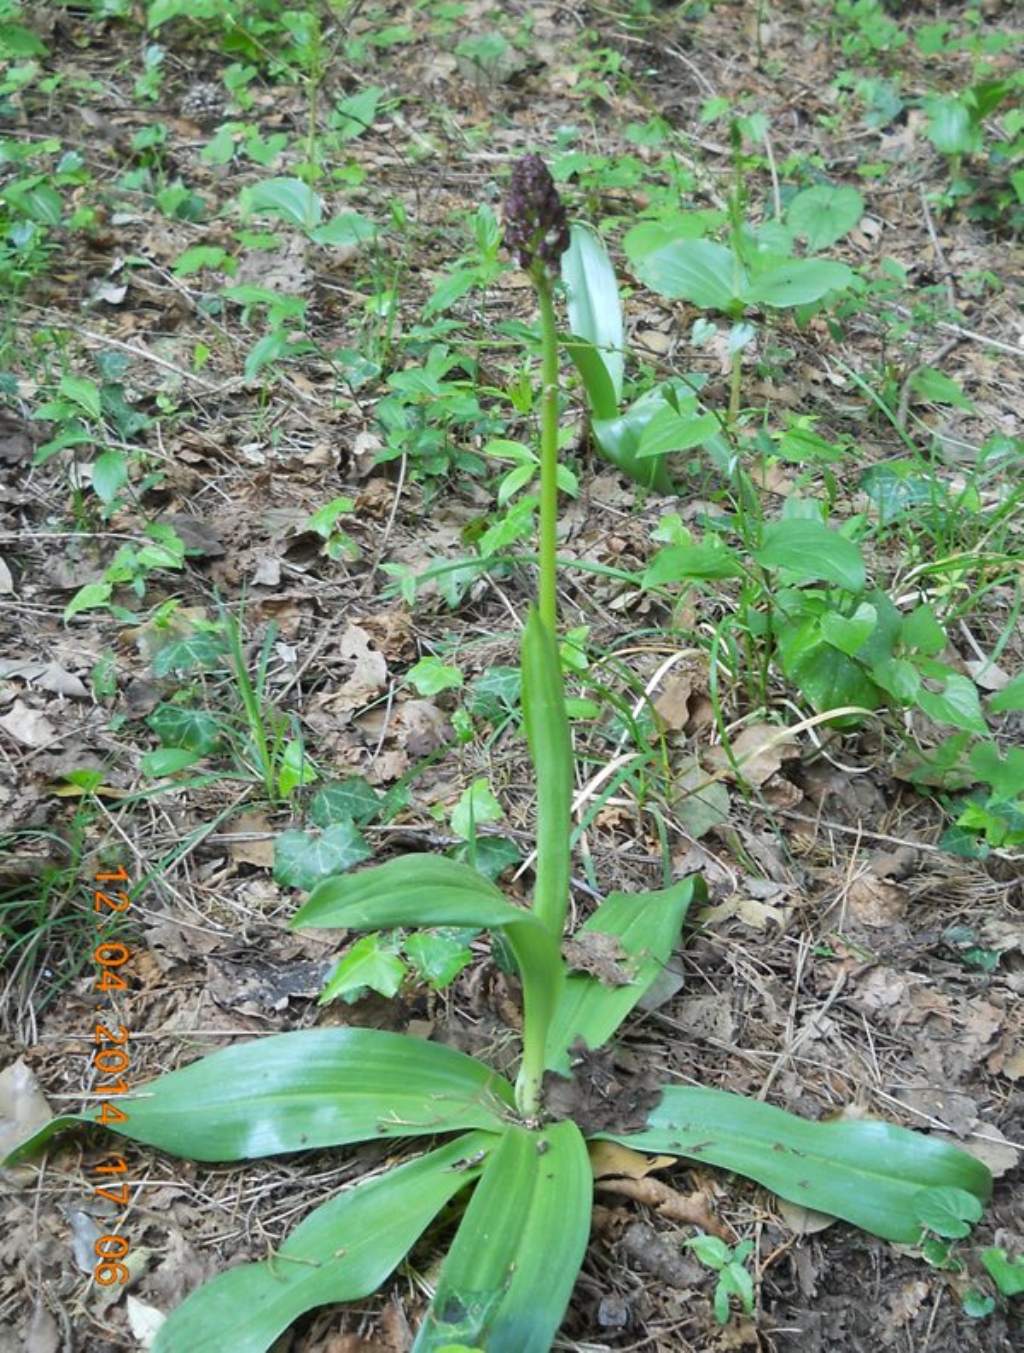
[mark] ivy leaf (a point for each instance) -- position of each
(438, 956)
(477, 805)
(372, 963)
(201, 651)
(351, 800)
(302, 859)
(179, 726)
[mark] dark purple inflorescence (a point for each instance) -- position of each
(536, 226)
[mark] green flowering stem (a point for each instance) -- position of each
(547, 589)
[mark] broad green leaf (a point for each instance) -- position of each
(372, 963)
(950, 127)
(342, 1251)
(849, 633)
(167, 761)
(87, 598)
(83, 393)
(109, 475)
(508, 1277)
(922, 631)
(415, 889)
(355, 114)
(344, 231)
(867, 1172)
(897, 678)
(827, 677)
(708, 558)
(302, 859)
(646, 927)
(824, 214)
(547, 732)
(957, 704)
(1006, 1273)
(592, 301)
(301, 1091)
(937, 388)
(429, 890)
(430, 676)
(699, 271)
(496, 693)
(1004, 774)
(287, 197)
(1010, 698)
(202, 651)
(809, 550)
(438, 956)
(798, 282)
(669, 431)
(295, 768)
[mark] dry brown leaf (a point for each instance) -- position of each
(692, 1209)
(672, 704)
(873, 902)
(259, 851)
(707, 1017)
(369, 671)
(803, 1221)
(600, 955)
(28, 726)
(23, 1106)
(610, 1160)
(757, 915)
(759, 750)
(990, 1147)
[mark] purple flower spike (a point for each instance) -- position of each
(536, 226)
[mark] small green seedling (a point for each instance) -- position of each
(512, 1264)
(734, 1280)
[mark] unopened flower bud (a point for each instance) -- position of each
(536, 226)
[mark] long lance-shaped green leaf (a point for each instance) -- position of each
(868, 1172)
(342, 1251)
(310, 1088)
(646, 926)
(592, 301)
(601, 396)
(421, 887)
(429, 890)
(510, 1273)
(619, 440)
(547, 732)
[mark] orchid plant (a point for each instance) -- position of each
(516, 1153)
